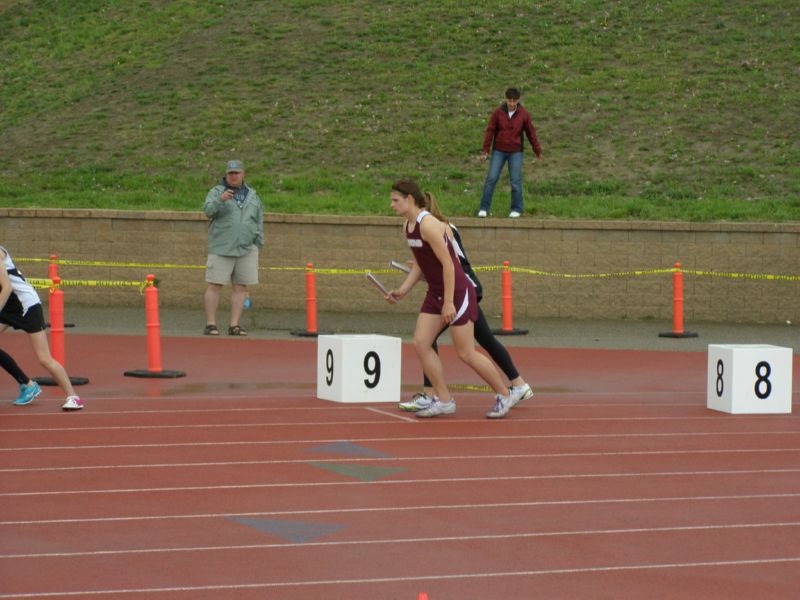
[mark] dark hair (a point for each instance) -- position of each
(433, 207)
(426, 200)
(409, 187)
(513, 94)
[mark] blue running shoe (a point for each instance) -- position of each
(27, 393)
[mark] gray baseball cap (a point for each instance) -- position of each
(235, 165)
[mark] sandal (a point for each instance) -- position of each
(236, 330)
(211, 330)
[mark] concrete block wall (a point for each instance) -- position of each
(339, 242)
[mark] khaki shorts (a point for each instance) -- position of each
(237, 269)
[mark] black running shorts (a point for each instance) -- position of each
(31, 322)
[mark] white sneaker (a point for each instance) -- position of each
(501, 407)
(518, 393)
(514, 214)
(72, 403)
(420, 401)
(437, 408)
(482, 214)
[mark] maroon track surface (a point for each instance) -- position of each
(615, 481)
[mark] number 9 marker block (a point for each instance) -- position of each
(749, 378)
(358, 368)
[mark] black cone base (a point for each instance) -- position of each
(685, 334)
(51, 381)
(163, 374)
(310, 333)
(510, 331)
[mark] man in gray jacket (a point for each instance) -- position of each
(235, 234)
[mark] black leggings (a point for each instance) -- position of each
(10, 365)
(487, 341)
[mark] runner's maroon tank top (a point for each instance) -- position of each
(429, 263)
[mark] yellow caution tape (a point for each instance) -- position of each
(47, 283)
(352, 271)
(637, 273)
(100, 263)
(578, 275)
(762, 276)
(468, 387)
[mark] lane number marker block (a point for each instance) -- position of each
(749, 379)
(358, 368)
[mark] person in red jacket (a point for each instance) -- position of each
(504, 135)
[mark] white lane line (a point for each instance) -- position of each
(363, 422)
(349, 459)
(189, 411)
(415, 540)
(313, 484)
(449, 438)
(417, 578)
(533, 404)
(415, 508)
(393, 415)
(202, 426)
(216, 397)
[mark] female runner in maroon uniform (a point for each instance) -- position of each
(518, 388)
(450, 299)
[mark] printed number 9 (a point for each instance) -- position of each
(329, 367)
(374, 370)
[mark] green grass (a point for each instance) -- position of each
(669, 110)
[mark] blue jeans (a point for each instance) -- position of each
(496, 163)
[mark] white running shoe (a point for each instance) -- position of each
(437, 408)
(518, 393)
(502, 405)
(72, 403)
(420, 401)
(482, 214)
(514, 214)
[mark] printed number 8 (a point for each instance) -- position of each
(763, 371)
(374, 370)
(720, 384)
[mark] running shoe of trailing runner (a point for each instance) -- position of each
(419, 401)
(437, 408)
(518, 393)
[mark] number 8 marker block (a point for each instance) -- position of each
(358, 368)
(749, 378)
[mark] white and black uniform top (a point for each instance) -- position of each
(465, 264)
(23, 296)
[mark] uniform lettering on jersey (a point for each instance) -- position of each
(415, 243)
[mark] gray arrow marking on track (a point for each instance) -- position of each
(348, 448)
(294, 531)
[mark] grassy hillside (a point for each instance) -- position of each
(670, 109)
